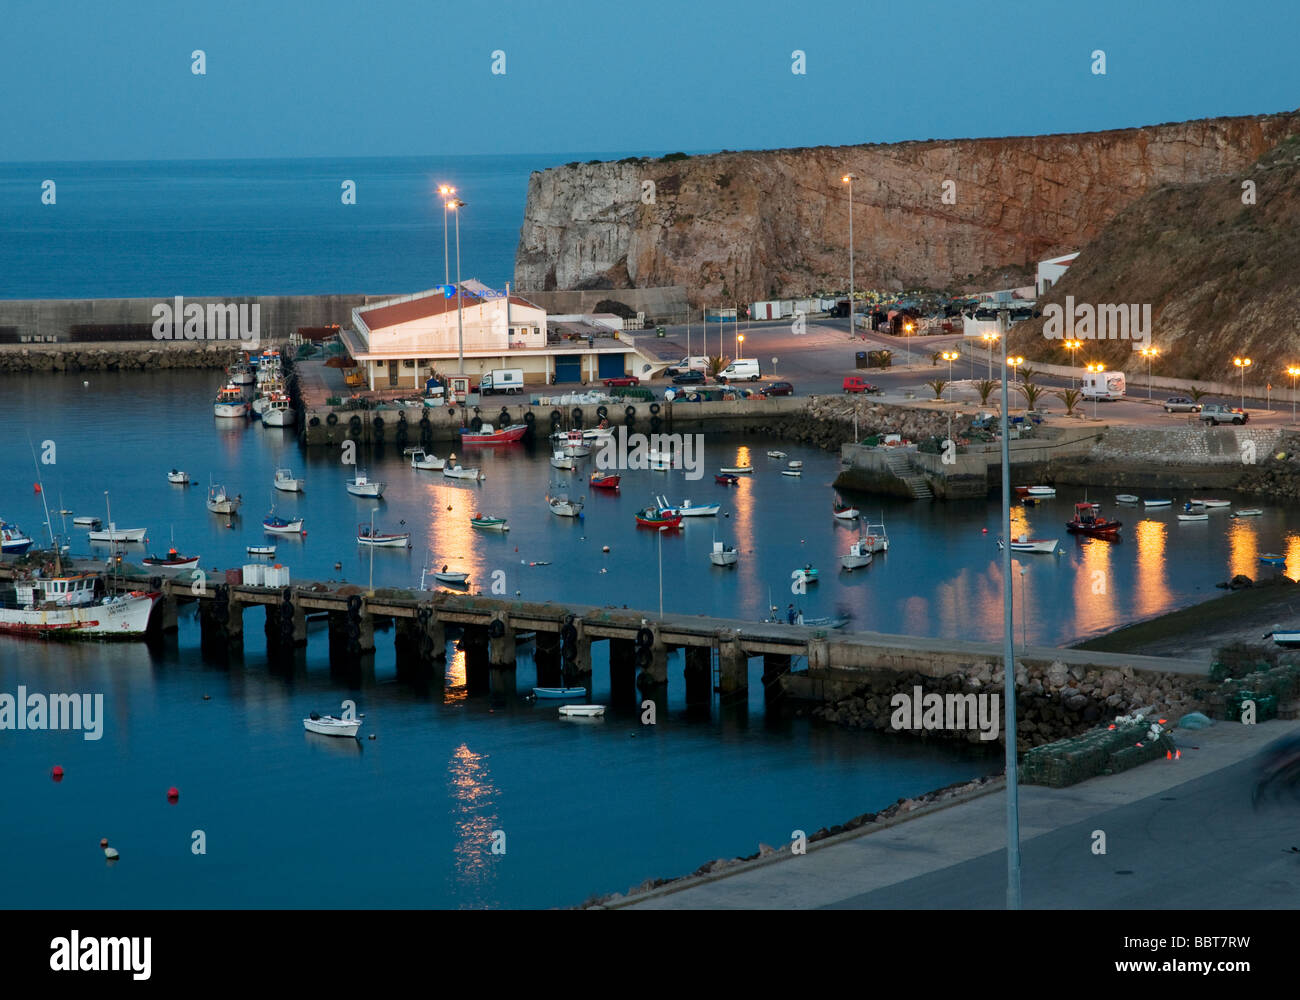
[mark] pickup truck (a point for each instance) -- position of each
(1217, 413)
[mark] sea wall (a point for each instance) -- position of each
(21, 360)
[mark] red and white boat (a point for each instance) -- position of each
(487, 434)
(230, 402)
(73, 606)
(396, 540)
(605, 480)
(1026, 544)
(173, 562)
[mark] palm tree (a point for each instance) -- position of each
(985, 388)
(1196, 394)
(1027, 374)
(717, 365)
(938, 386)
(1031, 393)
(1070, 397)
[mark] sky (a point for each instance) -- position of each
(316, 78)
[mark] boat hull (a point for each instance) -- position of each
(279, 418)
(171, 567)
(223, 506)
(124, 619)
(565, 692)
(292, 528)
(289, 485)
(582, 711)
(372, 490)
(118, 535)
(332, 727)
(230, 410)
(505, 436)
(385, 541)
(1043, 545)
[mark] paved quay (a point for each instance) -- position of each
(1179, 834)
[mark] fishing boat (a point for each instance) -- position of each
(1156, 503)
(86, 521)
(230, 402)
(807, 575)
(1213, 504)
(687, 509)
(876, 537)
(1126, 498)
(563, 506)
(726, 478)
(723, 555)
(266, 389)
(582, 711)
(1086, 522)
(382, 539)
(285, 480)
(280, 526)
(241, 373)
(487, 434)
(360, 486)
(75, 606)
(605, 480)
(113, 533)
(261, 550)
(844, 512)
(459, 472)
(171, 563)
(1026, 544)
(575, 445)
(279, 412)
(13, 539)
(1042, 491)
(327, 725)
(178, 478)
(654, 517)
(1289, 637)
(1191, 505)
(559, 692)
(858, 556)
(446, 575)
(1273, 559)
(792, 472)
(1248, 512)
(489, 523)
(559, 460)
(420, 459)
(738, 470)
(220, 502)
(776, 454)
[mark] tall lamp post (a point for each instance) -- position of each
(989, 340)
(1072, 346)
(1098, 367)
(1293, 371)
(1149, 353)
(1242, 364)
(950, 357)
(1015, 363)
(740, 342)
(455, 204)
(907, 340)
(1008, 647)
(446, 190)
(849, 179)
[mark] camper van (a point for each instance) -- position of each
(742, 368)
(1103, 385)
(502, 380)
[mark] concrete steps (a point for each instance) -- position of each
(901, 466)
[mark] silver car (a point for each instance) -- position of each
(1181, 404)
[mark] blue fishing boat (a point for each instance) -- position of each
(13, 539)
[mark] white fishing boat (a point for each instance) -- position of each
(179, 478)
(876, 537)
(795, 464)
(86, 521)
(1026, 544)
(563, 506)
(327, 725)
(446, 575)
(582, 711)
(776, 454)
(559, 460)
(360, 486)
(366, 535)
(792, 472)
(1156, 503)
(261, 550)
(230, 402)
(281, 525)
(459, 472)
(575, 445)
(688, 509)
(221, 502)
(113, 533)
(74, 606)
(170, 564)
(241, 373)
(279, 412)
(420, 459)
(859, 555)
(723, 555)
(285, 480)
(1248, 512)
(1126, 498)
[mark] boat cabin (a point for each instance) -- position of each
(74, 590)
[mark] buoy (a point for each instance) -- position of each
(984, 531)
(173, 794)
(85, 385)
(604, 548)
(111, 853)
(103, 841)
(207, 697)
(57, 773)
(338, 565)
(304, 532)
(372, 736)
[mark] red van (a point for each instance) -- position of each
(856, 383)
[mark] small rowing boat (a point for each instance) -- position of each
(261, 550)
(582, 711)
(329, 726)
(1248, 512)
(1126, 498)
(178, 477)
(738, 470)
(1156, 503)
(605, 480)
(560, 692)
(489, 523)
(776, 454)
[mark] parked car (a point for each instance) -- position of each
(690, 377)
(1218, 413)
(623, 380)
(1181, 404)
(697, 363)
(856, 383)
(778, 389)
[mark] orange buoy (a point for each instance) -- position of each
(984, 531)
(103, 841)
(57, 773)
(173, 794)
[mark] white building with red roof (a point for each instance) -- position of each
(401, 342)
(1050, 271)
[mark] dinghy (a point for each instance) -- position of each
(458, 472)
(844, 512)
(796, 464)
(1042, 491)
(284, 480)
(261, 550)
(1212, 504)
(178, 477)
(173, 562)
(1156, 503)
(360, 486)
(582, 711)
(489, 523)
(1248, 512)
(560, 692)
(1026, 544)
(792, 472)
(653, 517)
(738, 470)
(1273, 559)
(329, 726)
(1126, 498)
(87, 522)
(382, 539)
(776, 454)
(1192, 516)
(605, 480)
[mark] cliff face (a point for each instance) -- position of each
(736, 227)
(1219, 275)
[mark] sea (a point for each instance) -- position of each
(459, 800)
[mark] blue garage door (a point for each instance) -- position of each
(611, 365)
(568, 368)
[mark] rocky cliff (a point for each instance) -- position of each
(737, 227)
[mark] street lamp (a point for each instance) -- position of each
(907, 339)
(446, 190)
(989, 340)
(1293, 371)
(950, 357)
(740, 341)
(1149, 353)
(849, 179)
(1072, 346)
(1098, 367)
(455, 204)
(1015, 363)
(1242, 364)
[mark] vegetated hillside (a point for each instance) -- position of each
(1221, 277)
(737, 227)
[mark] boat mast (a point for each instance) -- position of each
(54, 541)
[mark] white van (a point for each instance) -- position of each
(1103, 385)
(698, 363)
(505, 380)
(742, 368)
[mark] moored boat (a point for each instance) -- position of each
(563, 506)
(776, 454)
(858, 556)
(382, 539)
(489, 522)
(1126, 498)
(281, 526)
(559, 460)
(844, 512)
(360, 486)
(420, 459)
(459, 472)
(1248, 512)
(808, 574)
(738, 470)
(559, 692)
(1156, 503)
(575, 445)
(654, 517)
(327, 725)
(487, 434)
(723, 555)
(1026, 544)
(261, 550)
(1193, 516)
(73, 606)
(605, 480)
(221, 502)
(1287, 637)
(726, 478)
(792, 472)
(179, 478)
(241, 373)
(582, 711)
(87, 521)
(278, 412)
(115, 534)
(1273, 559)
(230, 402)
(171, 563)
(1211, 504)
(285, 480)
(13, 539)
(687, 509)
(1086, 522)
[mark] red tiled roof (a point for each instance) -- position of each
(425, 307)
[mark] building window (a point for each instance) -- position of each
(408, 364)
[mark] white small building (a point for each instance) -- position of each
(1050, 271)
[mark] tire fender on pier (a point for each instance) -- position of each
(644, 638)
(497, 628)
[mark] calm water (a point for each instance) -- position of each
(248, 227)
(407, 819)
